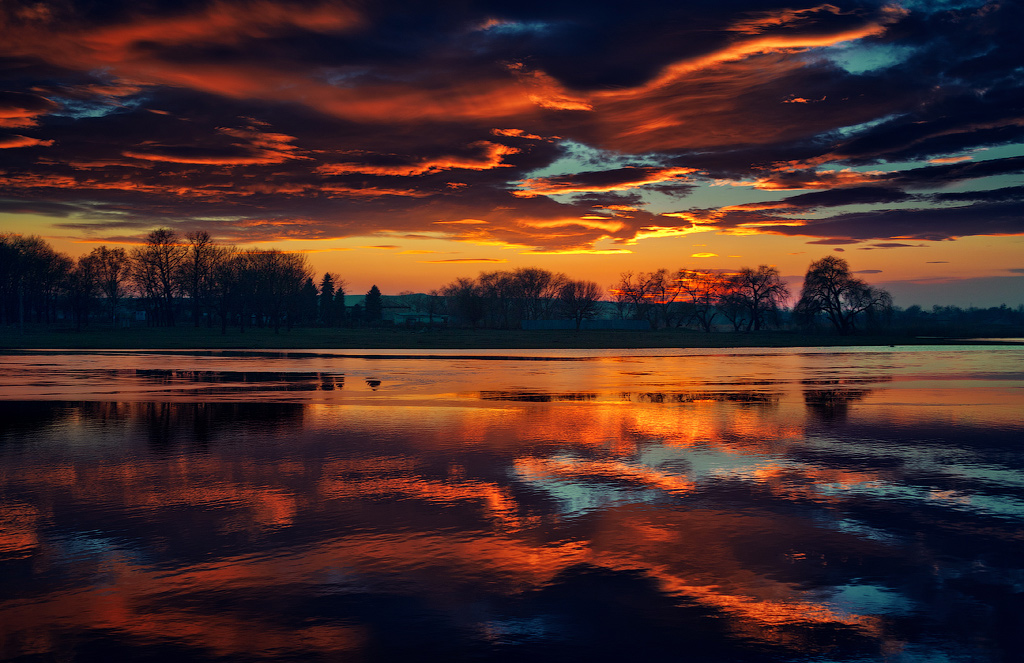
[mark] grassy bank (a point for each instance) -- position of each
(99, 337)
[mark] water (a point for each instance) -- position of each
(863, 504)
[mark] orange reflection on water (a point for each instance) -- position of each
(444, 501)
(18, 529)
(122, 605)
(542, 468)
(495, 501)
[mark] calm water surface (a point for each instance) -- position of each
(863, 504)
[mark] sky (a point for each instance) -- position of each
(405, 144)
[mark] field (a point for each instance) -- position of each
(105, 337)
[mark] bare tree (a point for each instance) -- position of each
(830, 288)
(662, 292)
(155, 271)
(632, 295)
(81, 288)
(112, 274)
(579, 300)
(499, 290)
(704, 290)
(760, 293)
(198, 272)
(464, 300)
(536, 290)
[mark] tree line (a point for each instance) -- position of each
(504, 299)
(169, 277)
(751, 299)
(174, 278)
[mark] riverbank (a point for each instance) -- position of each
(100, 337)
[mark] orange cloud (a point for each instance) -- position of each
(550, 186)
(826, 179)
(761, 21)
(492, 156)
(254, 146)
(463, 260)
(516, 133)
(219, 23)
(10, 142)
(335, 191)
(597, 223)
(20, 110)
(744, 48)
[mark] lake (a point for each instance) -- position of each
(852, 504)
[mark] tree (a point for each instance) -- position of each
(502, 296)
(32, 276)
(464, 300)
(830, 288)
(197, 272)
(112, 273)
(327, 299)
(373, 306)
(226, 294)
(535, 290)
(81, 287)
(632, 296)
(155, 270)
(758, 293)
(340, 314)
(663, 290)
(579, 300)
(308, 302)
(704, 290)
(275, 280)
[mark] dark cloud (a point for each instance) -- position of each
(834, 240)
(321, 119)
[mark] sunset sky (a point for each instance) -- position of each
(407, 143)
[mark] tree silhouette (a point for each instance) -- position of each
(155, 270)
(579, 300)
(327, 299)
(81, 287)
(759, 293)
(197, 272)
(112, 273)
(704, 290)
(308, 302)
(830, 288)
(373, 306)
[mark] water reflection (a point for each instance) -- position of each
(832, 404)
(800, 520)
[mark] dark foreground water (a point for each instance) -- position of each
(792, 505)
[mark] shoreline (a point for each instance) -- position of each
(42, 337)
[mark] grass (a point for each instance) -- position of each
(186, 337)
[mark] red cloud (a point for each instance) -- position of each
(8, 142)
(251, 146)
(19, 110)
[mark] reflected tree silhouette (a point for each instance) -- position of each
(832, 404)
